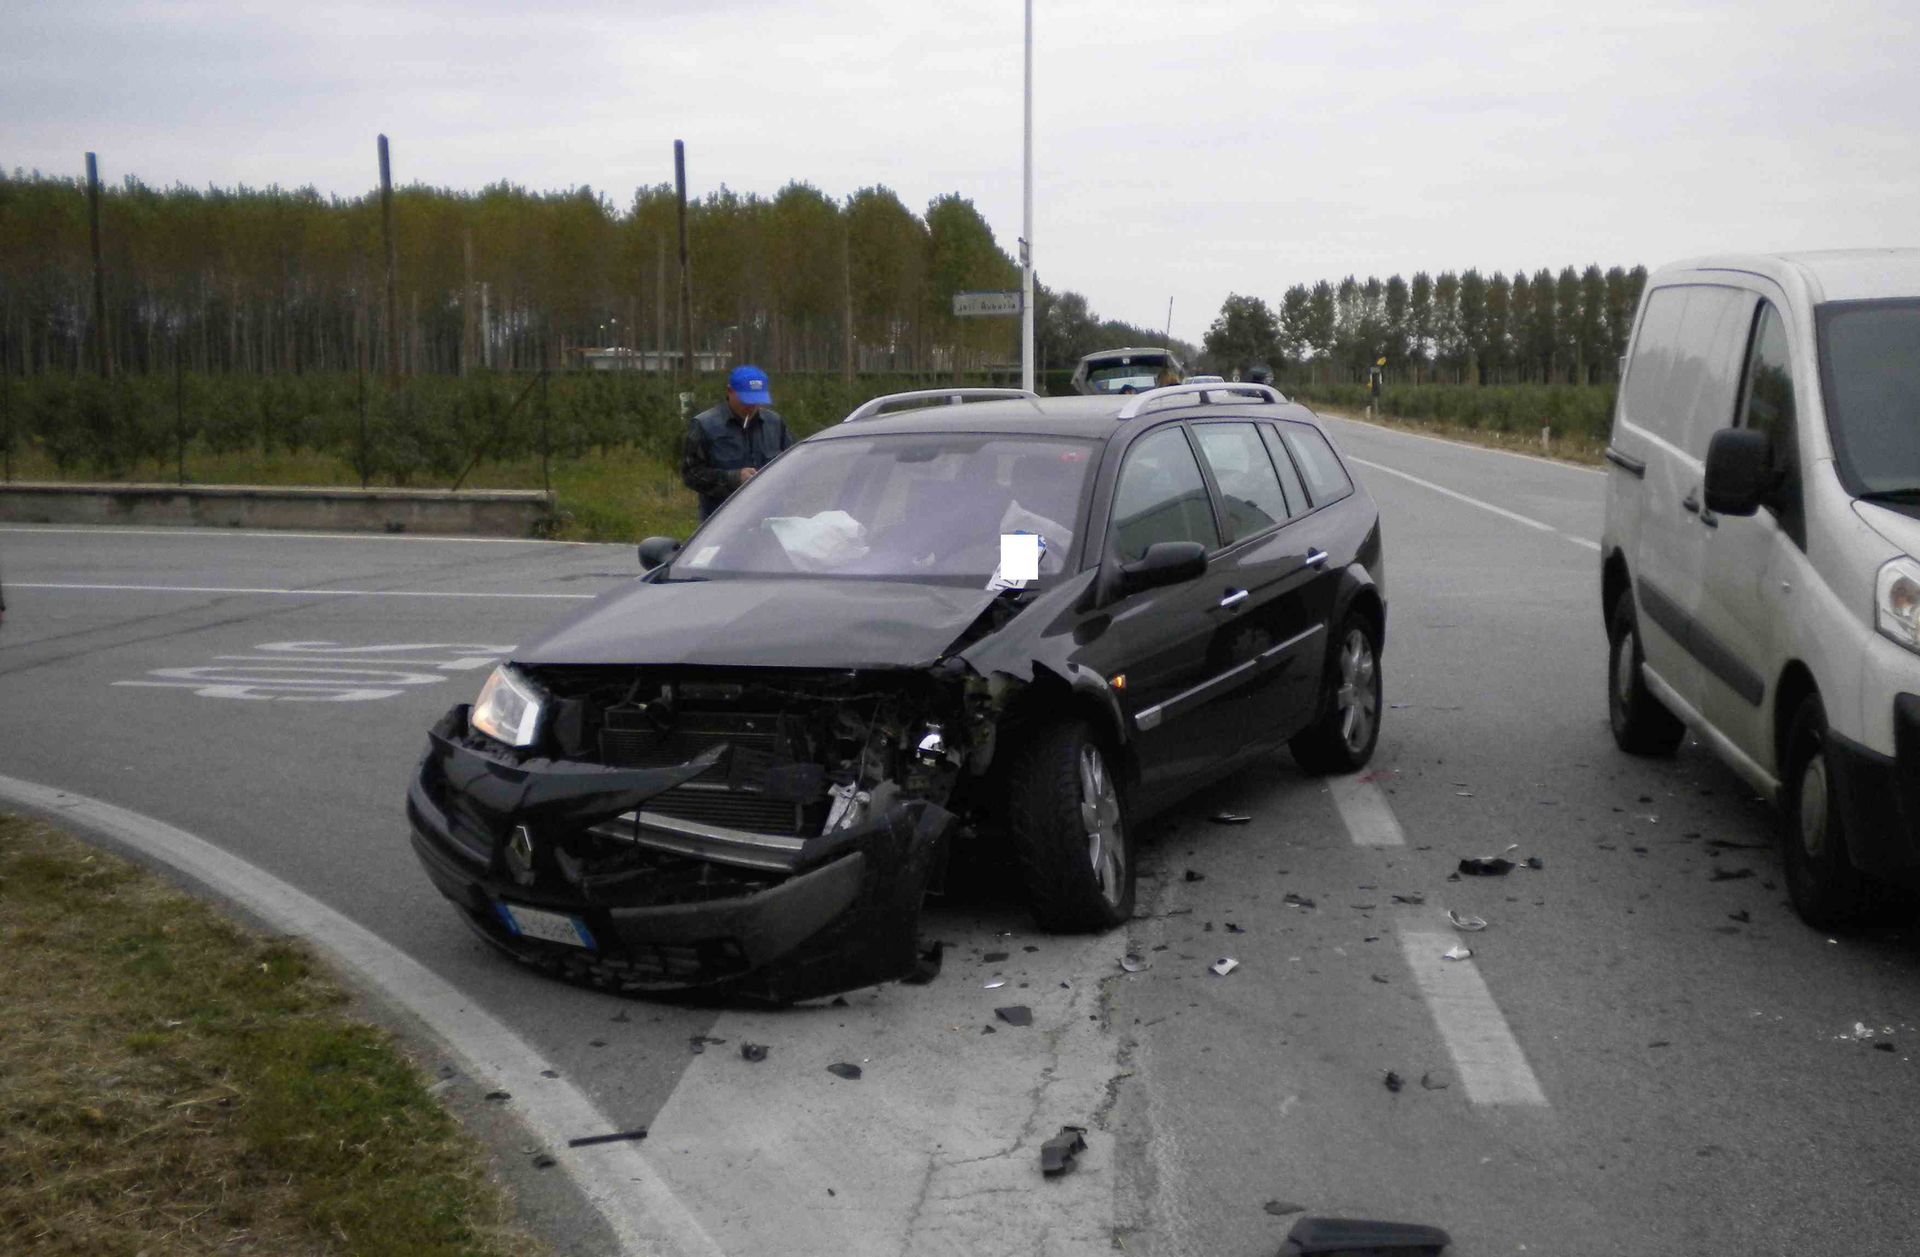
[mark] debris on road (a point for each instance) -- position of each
(926, 966)
(497, 1096)
(1230, 818)
(1435, 1080)
(1411, 897)
(1535, 862)
(1281, 1208)
(1456, 952)
(1015, 1015)
(1742, 916)
(1729, 875)
(840, 1069)
(1232, 928)
(1132, 963)
(1352, 1236)
(755, 1052)
(1377, 978)
(993, 958)
(699, 1042)
(619, 1136)
(1296, 901)
(543, 1161)
(994, 985)
(1469, 923)
(1057, 1154)
(1223, 966)
(1195, 875)
(1394, 1082)
(1486, 866)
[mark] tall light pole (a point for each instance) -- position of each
(1026, 227)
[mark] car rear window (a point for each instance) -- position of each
(1326, 479)
(1249, 486)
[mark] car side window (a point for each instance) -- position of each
(1289, 474)
(1249, 486)
(1766, 405)
(1319, 465)
(1161, 496)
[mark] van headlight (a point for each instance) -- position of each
(508, 709)
(1897, 602)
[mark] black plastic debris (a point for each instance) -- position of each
(993, 958)
(1412, 897)
(1281, 1208)
(498, 1096)
(1030, 947)
(1015, 1015)
(549, 1073)
(1486, 866)
(1195, 875)
(1884, 1047)
(619, 1136)
(1207, 928)
(1230, 818)
(1377, 978)
(1352, 1237)
(1729, 875)
(755, 1052)
(543, 1161)
(926, 966)
(1232, 928)
(841, 1069)
(988, 1030)
(698, 1042)
(1296, 901)
(1535, 862)
(1057, 1154)
(596, 1043)
(1394, 1081)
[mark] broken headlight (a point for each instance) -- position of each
(508, 709)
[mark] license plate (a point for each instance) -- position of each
(554, 927)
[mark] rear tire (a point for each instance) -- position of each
(1827, 891)
(1066, 816)
(1641, 723)
(1342, 740)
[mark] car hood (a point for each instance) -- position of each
(1901, 529)
(765, 623)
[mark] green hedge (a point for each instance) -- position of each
(1569, 409)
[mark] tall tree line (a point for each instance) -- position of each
(1463, 328)
(273, 280)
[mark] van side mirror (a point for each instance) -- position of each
(657, 550)
(1740, 472)
(1164, 563)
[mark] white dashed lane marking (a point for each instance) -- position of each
(1364, 809)
(1515, 516)
(1487, 1057)
(297, 593)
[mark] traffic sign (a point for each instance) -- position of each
(974, 305)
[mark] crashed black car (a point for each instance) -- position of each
(1012, 629)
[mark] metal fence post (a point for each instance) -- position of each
(179, 414)
(6, 404)
(360, 383)
(546, 450)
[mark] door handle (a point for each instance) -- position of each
(1691, 503)
(1316, 558)
(1234, 598)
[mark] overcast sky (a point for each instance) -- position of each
(1182, 150)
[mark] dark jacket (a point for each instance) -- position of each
(718, 445)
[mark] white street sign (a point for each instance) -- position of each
(973, 305)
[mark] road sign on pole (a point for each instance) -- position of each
(976, 305)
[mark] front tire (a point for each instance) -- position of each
(1827, 891)
(1641, 724)
(1342, 740)
(1066, 816)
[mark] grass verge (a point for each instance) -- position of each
(1577, 450)
(172, 1083)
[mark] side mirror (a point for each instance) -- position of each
(657, 550)
(1164, 563)
(1740, 471)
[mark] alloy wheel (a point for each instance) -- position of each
(1359, 696)
(1100, 817)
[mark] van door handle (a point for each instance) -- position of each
(1691, 503)
(1316, 558)
(1234, 598)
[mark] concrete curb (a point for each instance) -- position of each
(470, 512)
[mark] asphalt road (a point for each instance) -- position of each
(1640, 1056)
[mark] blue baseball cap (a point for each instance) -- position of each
(750, 383)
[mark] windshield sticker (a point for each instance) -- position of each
(703, 556)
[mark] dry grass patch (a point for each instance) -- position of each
(171, 1083)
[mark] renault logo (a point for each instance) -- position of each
(520, 855)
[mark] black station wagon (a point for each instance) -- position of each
(1012, 629)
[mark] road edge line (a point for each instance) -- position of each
(610, 1178)
(1377, 426)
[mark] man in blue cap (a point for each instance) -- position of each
(728, 444)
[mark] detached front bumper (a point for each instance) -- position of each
(836, 911)
(1879, 797)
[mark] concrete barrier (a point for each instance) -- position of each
(467, 512)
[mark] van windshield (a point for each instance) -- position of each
(1870, 368)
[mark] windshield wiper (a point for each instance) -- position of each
(1907, 495)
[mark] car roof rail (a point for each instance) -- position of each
(1138, 402)
(930, 396)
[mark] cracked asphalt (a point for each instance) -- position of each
(1692, 1042)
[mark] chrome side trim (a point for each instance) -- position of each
(744, 848)
(1149, 718)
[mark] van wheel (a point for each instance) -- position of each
(1641, 725)
(1827, 891)
(1066, 815)
(1342, 740)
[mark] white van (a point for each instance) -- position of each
(1759, 576)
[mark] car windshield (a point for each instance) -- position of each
(1870, 366)
(899, 507)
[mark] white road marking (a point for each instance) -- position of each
(1468, 445)
(1488, 1059)
(292, 671)
(619, 1179)
(114, 531)
(1364, 809)
(1457, 496)
(294, 593)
